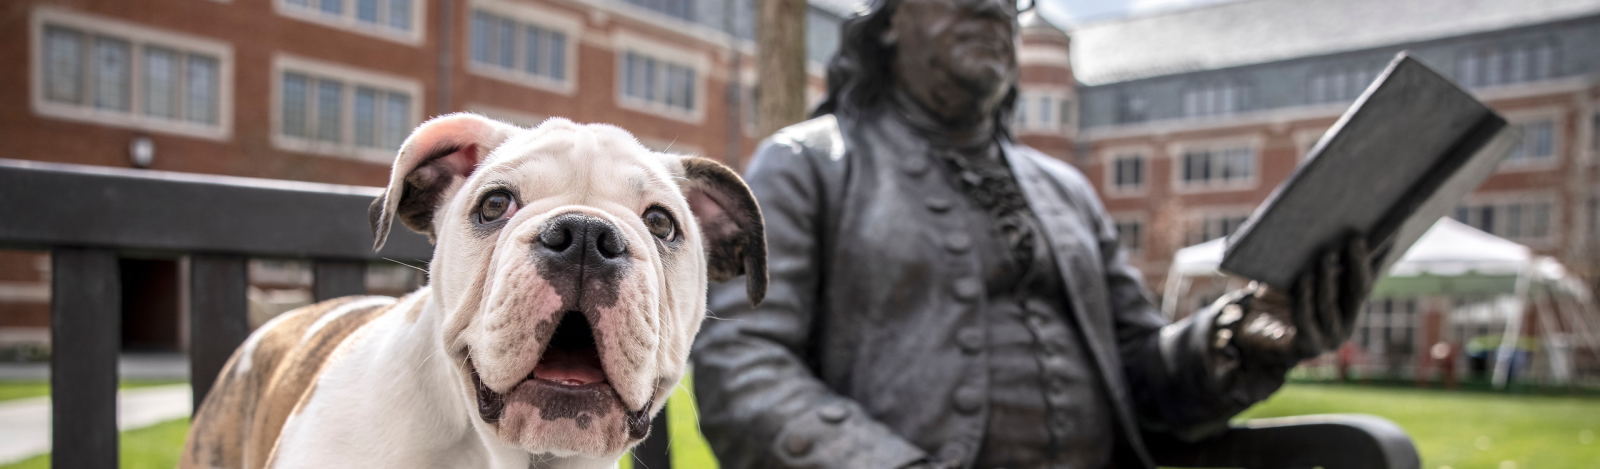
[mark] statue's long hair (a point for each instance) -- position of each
(859, 75)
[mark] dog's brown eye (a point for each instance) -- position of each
(496, 206)
(660, 224)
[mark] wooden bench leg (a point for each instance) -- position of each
(219, 316)
(335, 278)
(85, 337)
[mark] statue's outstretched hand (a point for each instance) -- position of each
(1315, 317)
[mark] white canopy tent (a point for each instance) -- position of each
(1454, 259)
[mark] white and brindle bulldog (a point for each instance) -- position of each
(568, 281)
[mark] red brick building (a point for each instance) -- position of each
(324, 91)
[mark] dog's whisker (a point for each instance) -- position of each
(694, 407)
(425, 360)
(419, 269)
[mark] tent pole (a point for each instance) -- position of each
(1508, 341)
(1572, 308)
(1561, 372)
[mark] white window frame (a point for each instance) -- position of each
(1200, 215)
(1557, 139)
(347, 21)
(1221, 90)
(623, 43)
(1109, 157)
(1120, 218)
(526, 14)
(138, 37)
(1353, 77)
(1501, 199)
(351, 77)
(1177, 150)
(1026, 120)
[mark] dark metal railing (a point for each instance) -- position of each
(87, 217)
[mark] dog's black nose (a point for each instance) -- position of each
(576, 241)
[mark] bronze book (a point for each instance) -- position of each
(1404, 154)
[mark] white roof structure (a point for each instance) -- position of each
(1453, 258)
(1448, 249)
(1256, 31)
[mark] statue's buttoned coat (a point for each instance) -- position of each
(868, 351)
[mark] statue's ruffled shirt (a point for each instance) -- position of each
(1046, 407)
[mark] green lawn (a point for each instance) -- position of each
(1459, 430)
(1464, 430)
(153, 447)
(25, 389)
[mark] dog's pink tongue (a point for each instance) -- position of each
(570, 368)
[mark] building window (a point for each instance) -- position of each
(327, 109)
(1516, 221)
(135, 77)
(1341, 84)
(1041, 112)
(518, 49)
(1219, 167)
(391, 18)
(1504, 64)
(1130, 236)
(1213, 99)
(1211, 227)
(681, 9)
(1132, 108)
(1127, 173)
(658, 82)
(1537, 146)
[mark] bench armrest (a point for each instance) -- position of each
(1327, 441)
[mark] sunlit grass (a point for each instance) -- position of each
(26, 389)
(154, 447)
(1459, 430)
(1463, 430)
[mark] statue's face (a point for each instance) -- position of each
(965, 44)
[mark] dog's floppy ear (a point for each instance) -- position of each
(433, 161)
(730, 221)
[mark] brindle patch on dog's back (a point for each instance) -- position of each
(269, 376)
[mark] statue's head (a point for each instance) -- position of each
(934, 50)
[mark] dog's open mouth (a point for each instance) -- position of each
(571, 359)
(569, 376)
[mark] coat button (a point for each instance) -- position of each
(970, 339)
(968, 398)
(833, 413)
(914, 165)
(796, 444)
(968, 288)
(940, 204)
(958, 242)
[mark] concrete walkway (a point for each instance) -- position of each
(25, 423)
(130, 366)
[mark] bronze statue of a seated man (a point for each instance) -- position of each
(944, 296)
